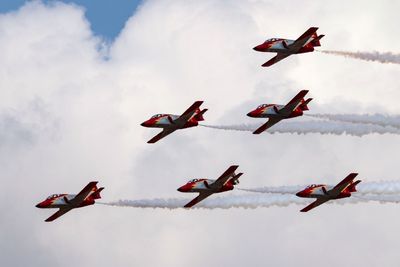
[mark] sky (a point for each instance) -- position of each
(70, 115)
(106, 18)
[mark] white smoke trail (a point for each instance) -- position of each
(321, 127)
(248, 201)
(371, 188)
(386, 57)
(376, 119)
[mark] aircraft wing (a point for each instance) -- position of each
(294, 103)
(224, 177)
(59, 213)
(314, 204)
(199, 198)
(271, 122)
(343, 184)
(303, 39)
(83, 194)
(188, 113)
(161, 135)
(275, 59)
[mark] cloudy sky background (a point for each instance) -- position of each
(71, 103)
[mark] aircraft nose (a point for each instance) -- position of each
(250, 114)
(257, 48)
(38, 205)
(144, 124)
(300, 194)
(184, 188)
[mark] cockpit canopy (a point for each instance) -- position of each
(272, 40)
(262, 106)
(312, 186)
(157, 116)
(53, 196)
(193, 180)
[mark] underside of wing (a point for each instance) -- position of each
(271, 122)
(294, 103)
(303, 39)
(161, 135)
(314, 204)
(224, 177)
(199, 198)
(59, 213)
(188, 113)
(343, 184)
(275, 59)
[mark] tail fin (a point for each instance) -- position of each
(199, 116)
(304, 103)
(352, 187)
(96, 194)
(316, 41)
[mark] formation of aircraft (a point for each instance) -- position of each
(324, 193)
(170, 123)
(276, 113)
(286, 47)
(207, 187)
(67, 202)
(227, 181)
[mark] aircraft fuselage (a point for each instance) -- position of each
(203, 185)
(63, 200)
(322, 191)
(272, 111)
(279, 45)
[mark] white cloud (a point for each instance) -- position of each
(68, 116)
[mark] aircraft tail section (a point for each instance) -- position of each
(316, 40)
(199, 115)
(352, 187)
(304, 103)
(96, 194)
(235, 179)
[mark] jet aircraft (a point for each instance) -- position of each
(276, 113)
(170, 123)
(324, 193)
(207, 187)
(285, 47)
(67, 202)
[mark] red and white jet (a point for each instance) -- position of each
(170, 123)
(207, 187)
(67, 202)
(285, 47)
(276, 113)
(324, 193)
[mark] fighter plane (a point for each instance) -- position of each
(67, 202)
(170, 123)
(207, 187)
(276, 113)
(285, 47)
(324, 193)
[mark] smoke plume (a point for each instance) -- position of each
(386, 57)
(307, 127)
(376, 119)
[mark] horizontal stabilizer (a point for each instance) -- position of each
(199, 116)
(316, 41)
(96, 194)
